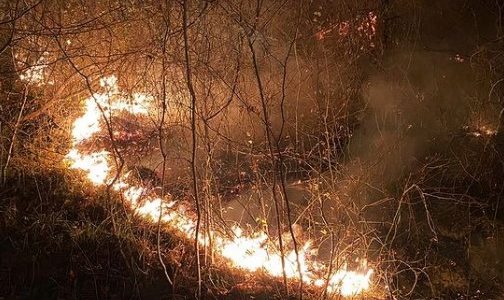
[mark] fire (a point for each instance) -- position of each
(88, 124)
(349, 283)
(249, 252)
(94, 164)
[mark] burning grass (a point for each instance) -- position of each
(250, 252)
(394, 174)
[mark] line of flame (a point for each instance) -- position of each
(246, 252)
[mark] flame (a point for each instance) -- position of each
(94, 164)
(88, 124)
(349, 283)
(252, 252)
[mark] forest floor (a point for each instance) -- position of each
(58, 242)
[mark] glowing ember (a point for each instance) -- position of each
(248, 252)
(480, 130)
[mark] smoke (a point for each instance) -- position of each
(415, 105)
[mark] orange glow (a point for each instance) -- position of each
(252, 252)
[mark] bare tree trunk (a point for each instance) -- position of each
(161, 138)
(192, 93)
(14, 135)
(7, 72)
